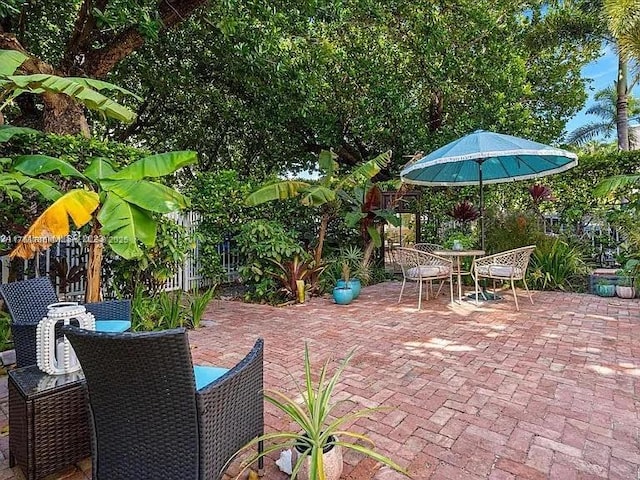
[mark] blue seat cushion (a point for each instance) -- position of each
(112, 326)
(206, 375)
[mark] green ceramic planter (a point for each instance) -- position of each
(354, 284)
(606, 290)
(343, 295)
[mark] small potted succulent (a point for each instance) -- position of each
(320, 437)
(352, 257)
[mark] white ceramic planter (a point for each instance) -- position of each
(333, 464)
(625, 291)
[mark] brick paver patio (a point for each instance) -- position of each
(482, 392)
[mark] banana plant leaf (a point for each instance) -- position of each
(124, 224)
(100, 85)
(327, 163)
(367, 170)
(34, 165)
(98, 169)
(317, 195)
(45, 188)
(353, 218)
(7, 132)
(10, 60)
(9, 187)
(156, 165)
(609, 185)
(148, 195)
(276, 191)
(92, 99)
(375, 236)
(53, 223)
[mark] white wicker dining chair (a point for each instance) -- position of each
(507, 266)
(428, 247)
(418, 266)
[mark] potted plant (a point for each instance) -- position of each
(343, 292)
(353, 257)
(625, 287)
(605, 288)
(316, 442)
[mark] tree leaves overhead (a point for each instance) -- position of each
(262, 87)
(273, 84)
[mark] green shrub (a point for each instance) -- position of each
(263, 244)
(555, 265)
(511, 230)
(198, 304)
(157, 264)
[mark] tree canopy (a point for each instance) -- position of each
(262, 86)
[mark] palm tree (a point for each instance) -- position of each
(605, 107)
(623, 18)
(623, 22)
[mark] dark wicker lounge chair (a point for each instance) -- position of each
(27, 302)
(150, 421)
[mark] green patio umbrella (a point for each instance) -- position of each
(486, 157)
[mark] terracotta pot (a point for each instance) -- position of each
(332, 458)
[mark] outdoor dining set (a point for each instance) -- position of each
(138, 407)
(426, 263)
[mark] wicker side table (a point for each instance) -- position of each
(48, 421)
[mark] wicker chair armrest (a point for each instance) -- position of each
(110, 310)
(231, 412)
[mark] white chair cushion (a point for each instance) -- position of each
(503, 271)
(426, 271)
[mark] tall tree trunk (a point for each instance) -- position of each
(368, 251)
(64, 116)
(622, 120)
(324, 223)
(94, 267)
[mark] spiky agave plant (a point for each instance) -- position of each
(318, 428)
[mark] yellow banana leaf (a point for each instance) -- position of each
(53, 224)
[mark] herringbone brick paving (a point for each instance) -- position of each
(550, 392)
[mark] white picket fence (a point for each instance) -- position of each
(186, 277)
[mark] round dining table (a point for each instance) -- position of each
(455, 256)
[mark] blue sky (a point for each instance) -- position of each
(602, 72)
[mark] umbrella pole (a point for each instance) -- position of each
(481, 205)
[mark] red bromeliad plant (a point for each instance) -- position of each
(465, 212)
(297, 269)
(540, 193)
